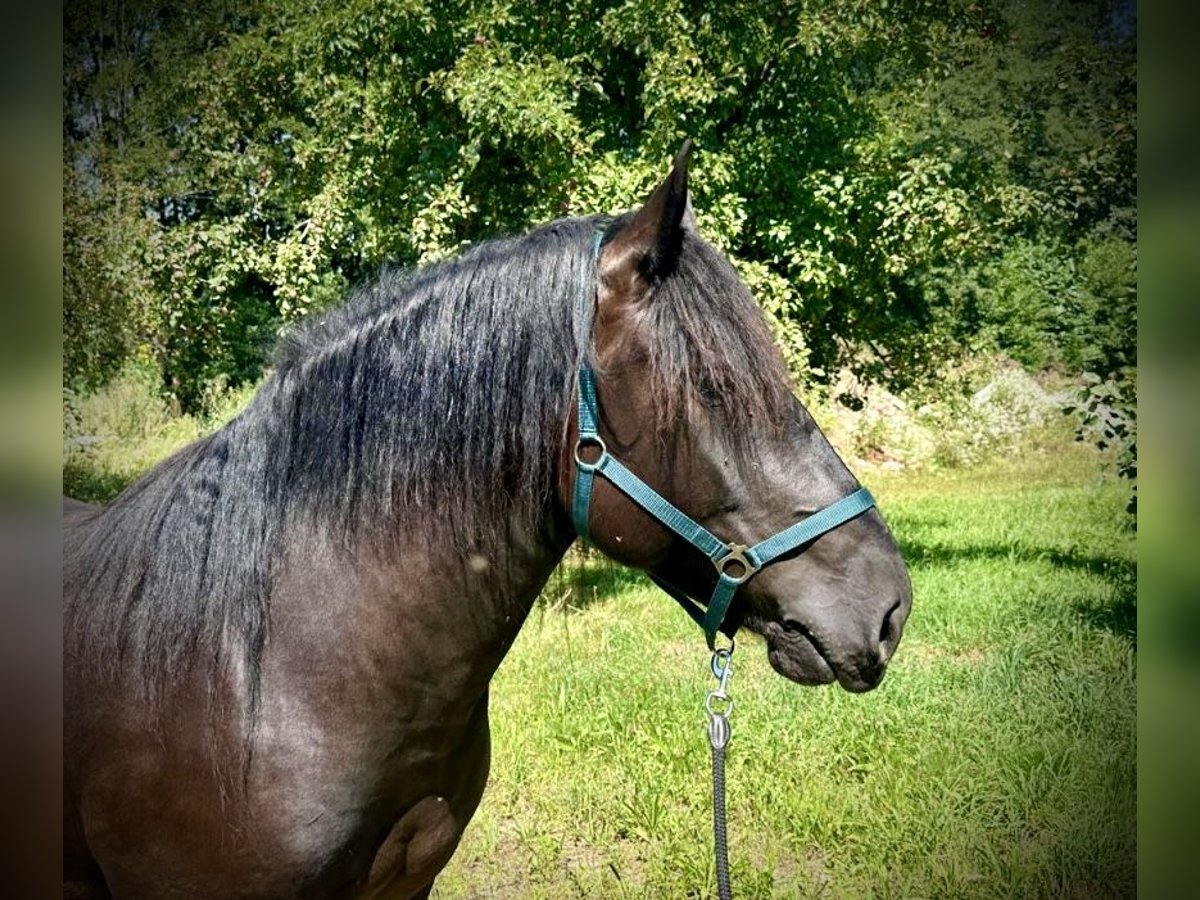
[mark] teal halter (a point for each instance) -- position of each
(735, 563)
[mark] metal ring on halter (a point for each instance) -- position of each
(590, 440)
(725, 650)
(738, 555)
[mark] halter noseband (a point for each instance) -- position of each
(735, 563)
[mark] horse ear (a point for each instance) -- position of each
(689, 215)
(648, 246)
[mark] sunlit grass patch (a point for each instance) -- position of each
(996, 760)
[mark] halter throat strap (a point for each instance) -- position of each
(735, 563)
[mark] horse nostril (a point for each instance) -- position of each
(889, 632)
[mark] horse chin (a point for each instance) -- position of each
(794, 654)
(795, 657)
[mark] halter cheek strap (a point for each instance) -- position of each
(735, 563)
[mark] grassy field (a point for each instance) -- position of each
(996, 760)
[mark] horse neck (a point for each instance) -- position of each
(419, 532)
(423, 613)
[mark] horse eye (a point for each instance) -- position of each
(709, 394)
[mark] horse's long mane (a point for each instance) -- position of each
(439, 395)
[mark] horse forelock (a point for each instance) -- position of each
(709, 338)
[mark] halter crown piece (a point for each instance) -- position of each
(735, 563)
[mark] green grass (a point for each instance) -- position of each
(996, 760)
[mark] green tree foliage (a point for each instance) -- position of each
(896, 181)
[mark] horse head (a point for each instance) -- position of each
(693, 397)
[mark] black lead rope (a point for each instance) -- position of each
(719, 705)
(720, 846)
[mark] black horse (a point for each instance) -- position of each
(278, 643)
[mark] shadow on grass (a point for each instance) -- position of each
(1116, 614)
(586, 577)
